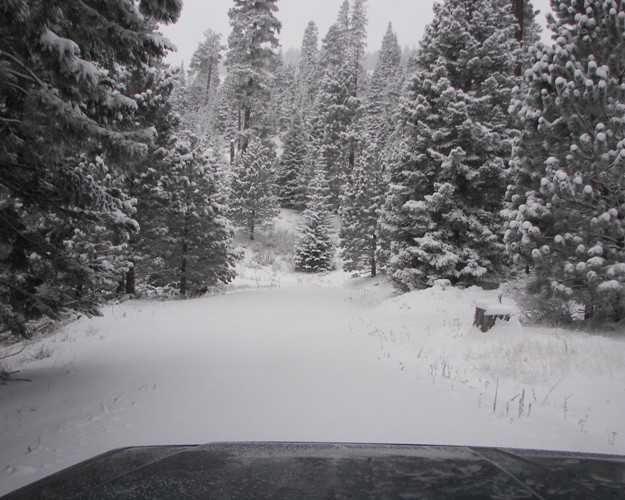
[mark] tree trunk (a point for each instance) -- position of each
(183, 269)
(208, 83)
(183, 259)
(374, 267)
(252, 224)
(239, 128)
(519, 12)
(247, 116)
(131, 281)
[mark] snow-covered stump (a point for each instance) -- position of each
(487, 313)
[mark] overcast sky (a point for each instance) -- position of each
(409, 18)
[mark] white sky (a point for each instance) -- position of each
(409, 18)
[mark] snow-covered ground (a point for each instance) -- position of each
(281, 356)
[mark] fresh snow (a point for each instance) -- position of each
(300, 357)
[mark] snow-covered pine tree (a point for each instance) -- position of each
(360, 213)
(251, 61)
(308, 71)
(65, 126)
(152, 88)
(565, 206)
(293, 167)
(357, 45)
(253, 199)
(441, 214)
(314, 250)
(342, 18)
(384, 91)
(284, 97)
(204, 66)
(203, 89)
(337, 111)
(195, 245)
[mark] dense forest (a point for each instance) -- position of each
(483, 157)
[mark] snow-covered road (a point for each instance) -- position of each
(297, 363)
(277, 364)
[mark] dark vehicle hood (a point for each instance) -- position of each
(307, 470)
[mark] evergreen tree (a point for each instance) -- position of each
(446, 189)
(358, 44)
(565, 204)
(293, 175)
(284, 97)
(251, 61)
(308, 71)
(314, 250)
(203, 90)
(153, 88)
(204, 67)
(65, 126)
(253, 201)
(384, 91)
(335, 126)
(193, 247)
(342, 18)
(360, 213)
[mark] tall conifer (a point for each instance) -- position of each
(446, 189)
(565, 204)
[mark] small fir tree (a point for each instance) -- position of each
(293, 165)
(194, 248)
(253, 200)
(314, 250)
(360, 214)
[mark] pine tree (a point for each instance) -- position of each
(195, 249)
(335, 125)
(203, 89)
(293, 175)
(565, 204)
(253, 201)
(384, 91)
(342, 18)
(204, 67)
(314, 250)
(65, 127)
(446, 189)
(360, 213)
(358, 44)
(284, 97)
(308, 71)
(153, 90)
(251, 61)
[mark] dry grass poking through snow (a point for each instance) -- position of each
(570, 385)
(533, 354)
